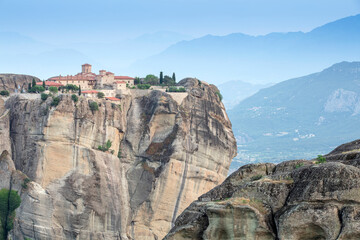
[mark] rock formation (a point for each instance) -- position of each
(163, 155)
(290, 201)
(11, 81)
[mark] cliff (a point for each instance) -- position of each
(163, 155)
(318, 199)
(10, 81)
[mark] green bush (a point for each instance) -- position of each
(9, 201)
(100, 95)
(4, 93)
(24, 185)
(299, 165)
(256, 177)
(220, 96)
(55, 101)
(54, 90)
(151, 79)
(71, 87)
(94, 106)
(320, 159)
(37, 89)
(143, 86)
(105, 147)
(44, 96)
(176, 89)
(74, 98)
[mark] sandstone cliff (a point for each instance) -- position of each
(164, 154)
(290, 201)
(11, 81)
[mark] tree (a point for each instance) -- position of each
(161, 78)
(37, 89)
(29, 86)
(174, 78)
(54, 90)
(79, 90)
(100, 95)
(9, 201)
(44, 96)
(44, 86)
(74, 98)
(4, 93)
(168, 81)
(33, 82)
(55, 101)
(137, 80)
(151, 79)
(71, 87)
(94, 106)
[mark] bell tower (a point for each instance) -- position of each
(86, 68)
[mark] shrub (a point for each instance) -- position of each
(256, 177)
(74, 98)
(4, 93)
(24, 185)
(94, 106)
(37, 89)
(143, 86)
(299, 165)
(71, 87)
(54, 90)
(100, 95)
(320, 159)
(151, 79)
(105, 147)
(168, 81)
(119, 154)
(55, 101)
(220, 96)
(176, 89)
(44, 96)
(9, 201)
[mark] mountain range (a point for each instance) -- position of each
(259, 59)
(300, 117)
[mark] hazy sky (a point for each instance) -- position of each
(64, 21)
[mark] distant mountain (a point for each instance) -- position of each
(261, 59)
(234, 92)
(301, 117)
(22, 54)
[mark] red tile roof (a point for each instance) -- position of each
(50, 84)
(113, 99)
(124, 77)
(120, 82)
(90, 91)
(86, 64)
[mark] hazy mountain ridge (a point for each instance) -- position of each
(269, 58)
(300, 117)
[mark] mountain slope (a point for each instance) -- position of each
(269, 58)
(300, 117)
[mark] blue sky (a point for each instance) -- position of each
(64, 21)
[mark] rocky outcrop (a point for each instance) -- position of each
(163, 155)
(290, 201)
(11, 82)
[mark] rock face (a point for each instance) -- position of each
(290, 201)
(11, 82)
(162, 157)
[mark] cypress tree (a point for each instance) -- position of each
(174, 78)
(33, 82)
(44, 84)
(161, 78)
(29, 86)
(79, 90)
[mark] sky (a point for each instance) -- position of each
(67, 21)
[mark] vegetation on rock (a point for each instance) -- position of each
(9, 201)
(4, 93)
(94, 106)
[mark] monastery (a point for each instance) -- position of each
(105, 82)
